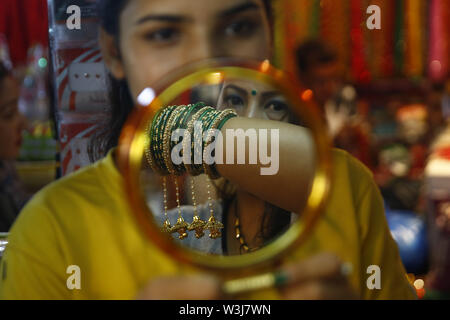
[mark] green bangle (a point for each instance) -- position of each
(178, 124)
(153, 140)
(193, 110)
(219, 122)
(189, 133)
(156, 141)
(178, 118)
(181, 123)
(159, 148)
(222, 123)
(148, 146)
(167, 138)
(206, 117)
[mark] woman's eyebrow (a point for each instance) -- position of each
(238, 9)
(179, 18)
(271, 94)
(163, 18)
(241, 91)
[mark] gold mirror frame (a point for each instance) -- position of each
(131, 152)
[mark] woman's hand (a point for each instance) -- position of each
(182, 288)
(322, 277)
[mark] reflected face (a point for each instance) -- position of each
(12, 122)
(159, 36)
(254, 100)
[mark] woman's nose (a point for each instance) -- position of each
(252, 110)
(201, 48)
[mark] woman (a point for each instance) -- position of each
(83, 220)
(12, 124)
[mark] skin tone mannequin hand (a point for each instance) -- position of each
(318, 278)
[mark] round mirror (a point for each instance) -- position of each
(201, 149)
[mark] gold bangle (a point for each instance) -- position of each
(206, 120)
(209, 169)
(157, 140)
(167, 139)
(150, 131)
(188, 134)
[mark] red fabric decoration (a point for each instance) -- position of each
(359, 64)
(24, 23)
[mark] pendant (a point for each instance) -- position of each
(167, 227)
(214, 228)
(181, 228)
(198, 226)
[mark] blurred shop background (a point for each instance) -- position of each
(385, 94)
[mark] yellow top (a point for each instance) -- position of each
(82, 220)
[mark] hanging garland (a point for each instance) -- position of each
(438, 61)
(413, 32)
(413, 66)
(335, 28)
(358, 62)
(399, 38)
(387, 65)
(382, 41)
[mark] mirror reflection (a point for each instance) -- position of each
(209, 165)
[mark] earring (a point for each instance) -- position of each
(197, 224)
(181, 227)
(167, 226)
(212, 225)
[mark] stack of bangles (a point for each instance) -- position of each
(183, 121)
(188, 118)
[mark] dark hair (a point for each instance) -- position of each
(122, 104)
(314, 53)
(4, 72)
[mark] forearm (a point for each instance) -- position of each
(292, 164)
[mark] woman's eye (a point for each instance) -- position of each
(243, 28)
(276, 110)
(234, 102)
(163, 35)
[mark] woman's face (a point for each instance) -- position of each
(254, 100)
(12, 122)
(159, 36)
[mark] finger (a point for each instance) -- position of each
(316, 290)
(182, 288)
(322, 266)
